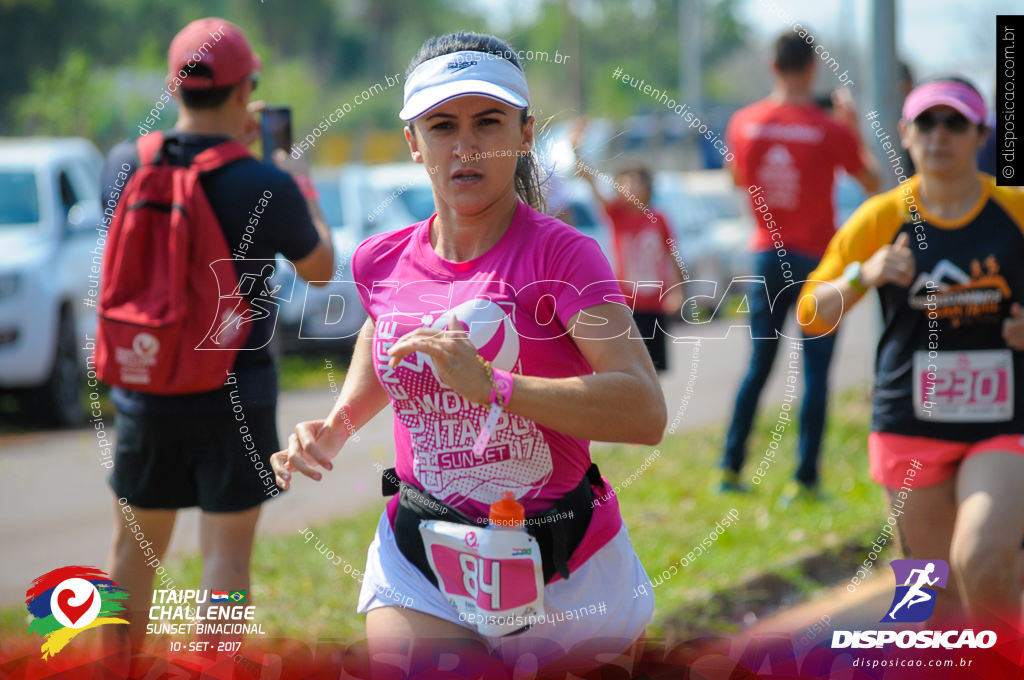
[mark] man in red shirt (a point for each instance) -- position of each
(787, 150)
(642, 257)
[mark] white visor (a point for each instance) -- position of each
(460, 73)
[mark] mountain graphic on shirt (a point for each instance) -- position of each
(944, 275)
(961, 297)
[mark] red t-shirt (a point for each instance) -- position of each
(786, 156)
(641, 247)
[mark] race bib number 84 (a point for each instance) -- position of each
(492, 577)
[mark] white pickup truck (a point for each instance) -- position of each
(49, 211)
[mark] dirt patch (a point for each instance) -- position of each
(762, 594)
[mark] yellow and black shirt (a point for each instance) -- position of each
(943, 369)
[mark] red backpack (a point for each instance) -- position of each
(159, 294)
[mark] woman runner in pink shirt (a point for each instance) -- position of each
(500, 339)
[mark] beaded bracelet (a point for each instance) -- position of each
(501, 391)
(501, 383)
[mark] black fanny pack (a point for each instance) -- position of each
(558, 530)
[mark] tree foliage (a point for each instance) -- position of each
(96, 67)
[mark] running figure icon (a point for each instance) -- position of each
(916, 594)
(253, 309)
(914, 600)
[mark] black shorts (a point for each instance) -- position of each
(648, 324)
(210, 460)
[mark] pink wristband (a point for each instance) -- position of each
(502, 390)
(307, 187)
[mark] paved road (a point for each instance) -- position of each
(56, 506)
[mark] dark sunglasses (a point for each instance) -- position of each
(255, 80)
(954, 122)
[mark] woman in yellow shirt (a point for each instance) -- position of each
(945, 251)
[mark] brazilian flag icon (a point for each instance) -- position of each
(237, 596)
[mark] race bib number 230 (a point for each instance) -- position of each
(964, 387)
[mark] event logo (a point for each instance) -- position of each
(66, 601)
(960, 297)
(184, 612)
(914, 601)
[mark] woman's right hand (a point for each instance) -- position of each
(890, 264)
(314, 443)
(843, 108)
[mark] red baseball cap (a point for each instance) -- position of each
(217, 44)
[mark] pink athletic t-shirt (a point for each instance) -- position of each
(515, 300)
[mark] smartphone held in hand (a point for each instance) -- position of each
(276, 130)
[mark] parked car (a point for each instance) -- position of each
(319, 318)
(572, 200)
(49, 260)
(362, 200)
(568, 196)
(388, 196)
(357, 201)
(712, 223)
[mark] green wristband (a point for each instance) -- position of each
(852, 276)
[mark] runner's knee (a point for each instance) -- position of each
(221, 561)
(981, 560)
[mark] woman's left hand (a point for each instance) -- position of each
(454, 357)
(1013, 327)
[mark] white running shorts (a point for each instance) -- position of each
(592, 612)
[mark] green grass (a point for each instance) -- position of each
(669, 509)
(311, 371)
(673, 506)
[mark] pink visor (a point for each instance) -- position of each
(945, 93)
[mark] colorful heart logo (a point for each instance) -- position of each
(73, 612)
(67, 600)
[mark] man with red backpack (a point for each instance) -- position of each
(193, 383)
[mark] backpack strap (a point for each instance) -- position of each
(219, 156)
(150, 146)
